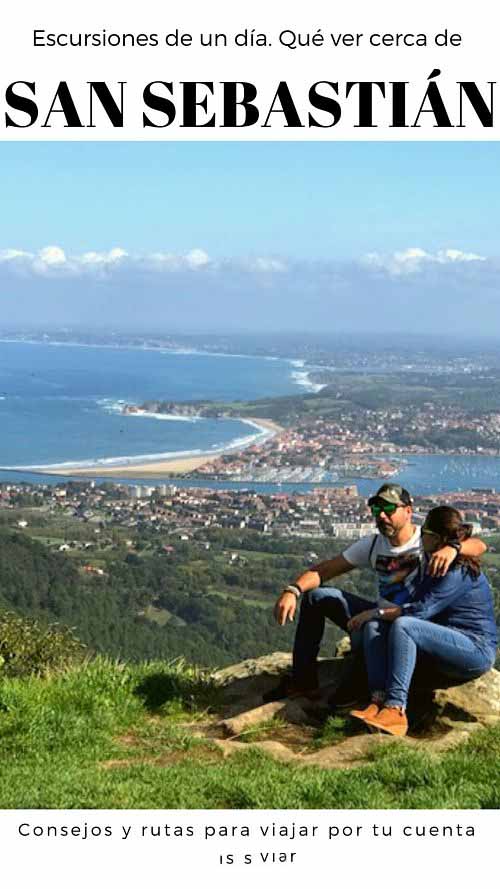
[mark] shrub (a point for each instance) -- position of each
(28, 647)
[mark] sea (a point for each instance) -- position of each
(61, 406)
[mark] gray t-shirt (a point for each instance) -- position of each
(398, 568)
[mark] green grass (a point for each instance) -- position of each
(263, 731)
(336, 728)
(109, 735)
(246, 596)
(160, 616)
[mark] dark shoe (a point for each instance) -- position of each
(344, 698)
(353, 684)
(288, 688)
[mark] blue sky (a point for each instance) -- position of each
(317, 200)
(304, 232)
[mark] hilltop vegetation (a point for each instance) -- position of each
(406, 409)
(85, 731)
(110, 735)
(213, 607)
(190, 603)
(347, 390)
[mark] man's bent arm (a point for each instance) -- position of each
(473, 547)
(442, 559)
(286, 605)
(322, 572)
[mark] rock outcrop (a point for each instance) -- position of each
(243, 685)
(286, 709)
(441, 717)
(478, 701)
(250, 679)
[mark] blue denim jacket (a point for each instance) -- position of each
(458, 600)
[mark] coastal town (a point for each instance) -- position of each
(187, 513)
(314, 447)
(326, 452)
(359, 412)
(320, 451)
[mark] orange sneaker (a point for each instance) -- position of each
(391, 720)
(369, 712)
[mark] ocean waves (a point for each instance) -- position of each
(65, 406)
(116, 407)
(108, 462)
(131, 460)
(302, 378)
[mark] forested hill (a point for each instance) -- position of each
(345, 392)
(158, 606)
(212, 607)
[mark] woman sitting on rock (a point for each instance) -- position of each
(451, 619)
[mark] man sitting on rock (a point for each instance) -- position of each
(394, 553)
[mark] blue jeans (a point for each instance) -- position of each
(317, 605)
(391, 654)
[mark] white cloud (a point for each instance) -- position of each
(52, 256)
(194, 259)
(9, 254)
(164, 260)
(48, 262)
(414, 259)
(197, 258)
(95, 258)
(459, 256)
(265, 264)
(54, 260)
(376, 291)
(185, 271)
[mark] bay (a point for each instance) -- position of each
(62, 403)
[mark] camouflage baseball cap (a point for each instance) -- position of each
(392, 494)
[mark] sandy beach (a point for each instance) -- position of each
(176, 466)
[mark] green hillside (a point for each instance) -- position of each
(79, 730)
(200, 605)
(109, 735)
